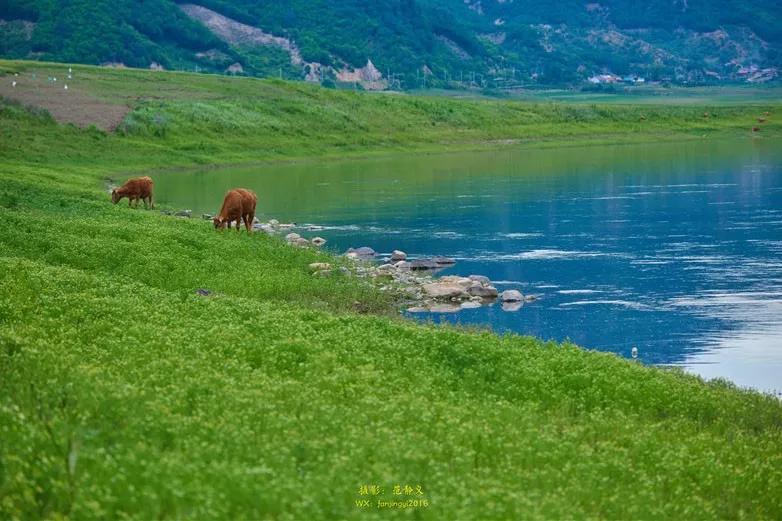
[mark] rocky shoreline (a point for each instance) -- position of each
(412, 280)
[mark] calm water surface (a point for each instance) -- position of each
(675, 248)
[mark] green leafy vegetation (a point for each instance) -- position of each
(446, 43)
(124, 393)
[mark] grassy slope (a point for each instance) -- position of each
(123, 393)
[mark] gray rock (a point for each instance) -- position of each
(184, 213)
(318, 241)
(445, 261)
(402, 265)
(470, 305)
(443, 290)
(511, 295)
(480, 278)
(424, 264)
(301, 241)
(445, 308)
(398, 255)
(263, 228)
(456, 279)
(207, 216)
(482, 291)
(203, 292)
(386, 267)
(318, 266)
(364, 251)
(274, 222)
(292, 237)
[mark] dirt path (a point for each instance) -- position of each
(71, 105)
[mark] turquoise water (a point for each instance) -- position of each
(673, 248)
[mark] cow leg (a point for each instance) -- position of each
(238, 223)
(151, 202)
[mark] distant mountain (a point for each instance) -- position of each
(410, 43)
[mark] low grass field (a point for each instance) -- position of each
(125, 393)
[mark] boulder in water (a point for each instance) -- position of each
(445, 308)
(480, 278)
(478, 290)
(424, 264)
(511, 295)
(444, 290)
(398, 255)
(364, 253)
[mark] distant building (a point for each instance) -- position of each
(604, 79)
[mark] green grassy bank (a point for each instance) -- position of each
(125, 394)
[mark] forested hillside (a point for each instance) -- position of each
(410, 43)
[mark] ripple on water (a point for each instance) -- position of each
(623, 303)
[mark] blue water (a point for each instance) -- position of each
(675, 249)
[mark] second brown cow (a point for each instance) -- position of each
(135, 189)
(239, 204)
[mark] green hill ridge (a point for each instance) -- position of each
(410, 43)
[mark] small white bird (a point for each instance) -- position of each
(54, 79)
(634, 352)
(70, 76)
(66, 86)
(13, 84)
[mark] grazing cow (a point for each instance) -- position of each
(239, 204)
(755, 129)
(135, 189)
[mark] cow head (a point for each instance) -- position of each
(115, 197)
(219, 223)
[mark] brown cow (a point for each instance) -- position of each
(135, 189)
(239, 204)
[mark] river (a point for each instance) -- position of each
(674, 248)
